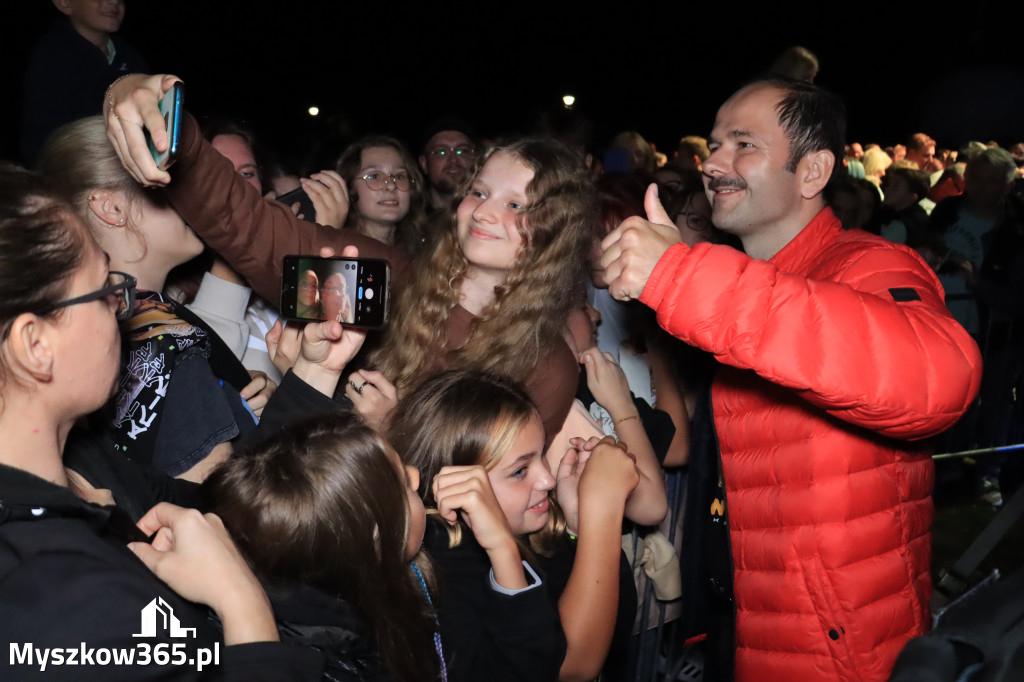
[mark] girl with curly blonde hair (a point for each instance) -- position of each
(493, 294)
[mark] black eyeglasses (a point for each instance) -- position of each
(120, 292)
(376, 180)
(696, 221)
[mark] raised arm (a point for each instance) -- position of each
(861, 332)
(251, 233)
(877, 349)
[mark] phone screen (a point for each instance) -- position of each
(353, 291)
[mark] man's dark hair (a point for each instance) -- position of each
(812, 118)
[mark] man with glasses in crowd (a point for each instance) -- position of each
(449, 151)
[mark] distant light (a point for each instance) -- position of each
(568, 100)
(313, 111)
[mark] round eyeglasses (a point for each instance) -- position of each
(119, 292)
(376, 180)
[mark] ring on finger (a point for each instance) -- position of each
(357, 389)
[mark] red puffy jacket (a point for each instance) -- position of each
(837, 351)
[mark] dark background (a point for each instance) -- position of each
(659, 68)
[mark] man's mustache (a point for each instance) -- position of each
(725, 182)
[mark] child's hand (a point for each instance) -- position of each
(467, 489)
(132, 104)
(610, 475)
(329, 194)
(567, 481)
(608, 383)
(258, 391)
(193, 553)
(373, 396)
(283, 344)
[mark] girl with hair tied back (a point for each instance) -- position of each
(182, 396)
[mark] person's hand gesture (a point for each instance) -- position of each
(258, 391)
(193, 553)
(465, 491)
(132, 106)
(329, 194)
(373, 396)
(633, 248)
(608, 383)
(610, 475)
(284, 342)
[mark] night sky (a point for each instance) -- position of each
(659, 68)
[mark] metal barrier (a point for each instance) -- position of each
(658, 651)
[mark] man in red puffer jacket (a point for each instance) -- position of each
(836, 349)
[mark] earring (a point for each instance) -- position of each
(92, 198)
(123, 221)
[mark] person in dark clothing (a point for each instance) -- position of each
(78, 579)
(478, 443)
(330, 519)
(70, 68)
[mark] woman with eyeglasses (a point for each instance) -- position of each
(386, 191)
(77, 579)
(182, 396)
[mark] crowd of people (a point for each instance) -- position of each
(450, 497)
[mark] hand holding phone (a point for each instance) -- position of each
(171, 106)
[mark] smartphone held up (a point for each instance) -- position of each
(171, 107)
(353, 291)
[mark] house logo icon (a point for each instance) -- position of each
(158, 616)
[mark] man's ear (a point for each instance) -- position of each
(109, 206)
(814, 171)
(63, 6)
(423, 163)
(30, 348)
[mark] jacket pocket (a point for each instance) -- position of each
(831, 617)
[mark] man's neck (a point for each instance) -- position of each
(439, 200)
(764, 243)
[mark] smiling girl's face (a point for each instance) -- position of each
(521, 480)
(487, 217)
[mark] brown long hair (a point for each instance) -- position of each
(321, 504)
(530, 308)
(464, 418)
(409, 232)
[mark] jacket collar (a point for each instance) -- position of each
(26, 497)
(807, 247)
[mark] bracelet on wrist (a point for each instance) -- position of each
(106, 95)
